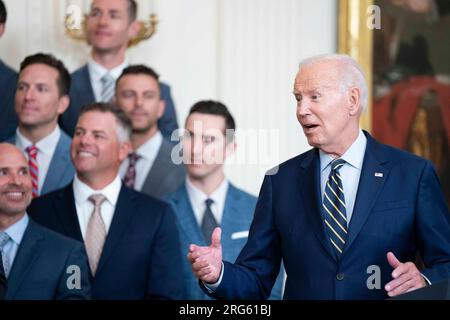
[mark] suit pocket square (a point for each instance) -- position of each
(239, 235)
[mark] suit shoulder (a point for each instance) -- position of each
(79, 73)
(400, 157)
(150, 201)
(293, 163)
(54, 238)
(244, 195)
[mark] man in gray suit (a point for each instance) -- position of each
(8, 80)
(110, 26)
(149, 168)
(42, 95)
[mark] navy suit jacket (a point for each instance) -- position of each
(236, 220)
(399, 207)
(8, 119)
(60, 171)
(81, 93)
(42, 268)
(141, 257)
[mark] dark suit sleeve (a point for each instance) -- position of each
(168, 122)
(165, 275)
(257, 267)
(74, 283)
(433, 227)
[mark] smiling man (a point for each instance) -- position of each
(35, 263)
(110, 25)
(338, 210)
(130, 238)
(42, 95)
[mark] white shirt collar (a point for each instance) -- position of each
(150, 148)
(198, 197)
(97, 71)
(82, 191)
(46, 145)
(354, 155)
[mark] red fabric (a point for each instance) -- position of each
(394, 114)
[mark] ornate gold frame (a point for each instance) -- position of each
(355, 39)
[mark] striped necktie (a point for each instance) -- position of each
(107, 87)
(34, 168)
(334, 208)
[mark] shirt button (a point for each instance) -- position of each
(340, 276)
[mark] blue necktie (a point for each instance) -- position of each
(334, 208)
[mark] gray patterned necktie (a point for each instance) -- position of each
(108, 84)
(96, 232)
(4, 265)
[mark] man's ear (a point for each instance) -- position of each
(63, 104)
(230, 149)
(2, 29)
(124, 150)
(133, 29)
(161, 108)
(354, 99)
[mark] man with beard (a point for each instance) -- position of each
(149, 168)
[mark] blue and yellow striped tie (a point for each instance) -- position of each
(334, 208)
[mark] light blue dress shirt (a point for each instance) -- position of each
(350, 171)
(15, 233)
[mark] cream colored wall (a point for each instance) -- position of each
(243, 52)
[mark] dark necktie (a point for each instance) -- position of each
(208, 221)
(130, 176)
(334, 208)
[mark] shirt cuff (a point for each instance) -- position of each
(211, 287)
(426, 279)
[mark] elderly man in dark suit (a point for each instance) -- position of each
(35, 263)
(130, 238)
(347, 217)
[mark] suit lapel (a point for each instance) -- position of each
(156, 174)
(59, 163)
(67, 213)
(311, 198)
(231, 219)
(85, 87)
(125, 209)
(29, 251)
(186, 218)
(368, 189)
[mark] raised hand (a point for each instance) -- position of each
(207, 261)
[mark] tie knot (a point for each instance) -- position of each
(4, 237)
(133, 158)
(209, 202)
(97, 199)
(32, 150)
(337, 164)
(107, 78)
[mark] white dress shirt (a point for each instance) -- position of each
(84, 207)
(46, 149)
(96, 73)
(197, 199)
(147, 152)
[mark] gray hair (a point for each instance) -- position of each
(351, 73)
(123, 122)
